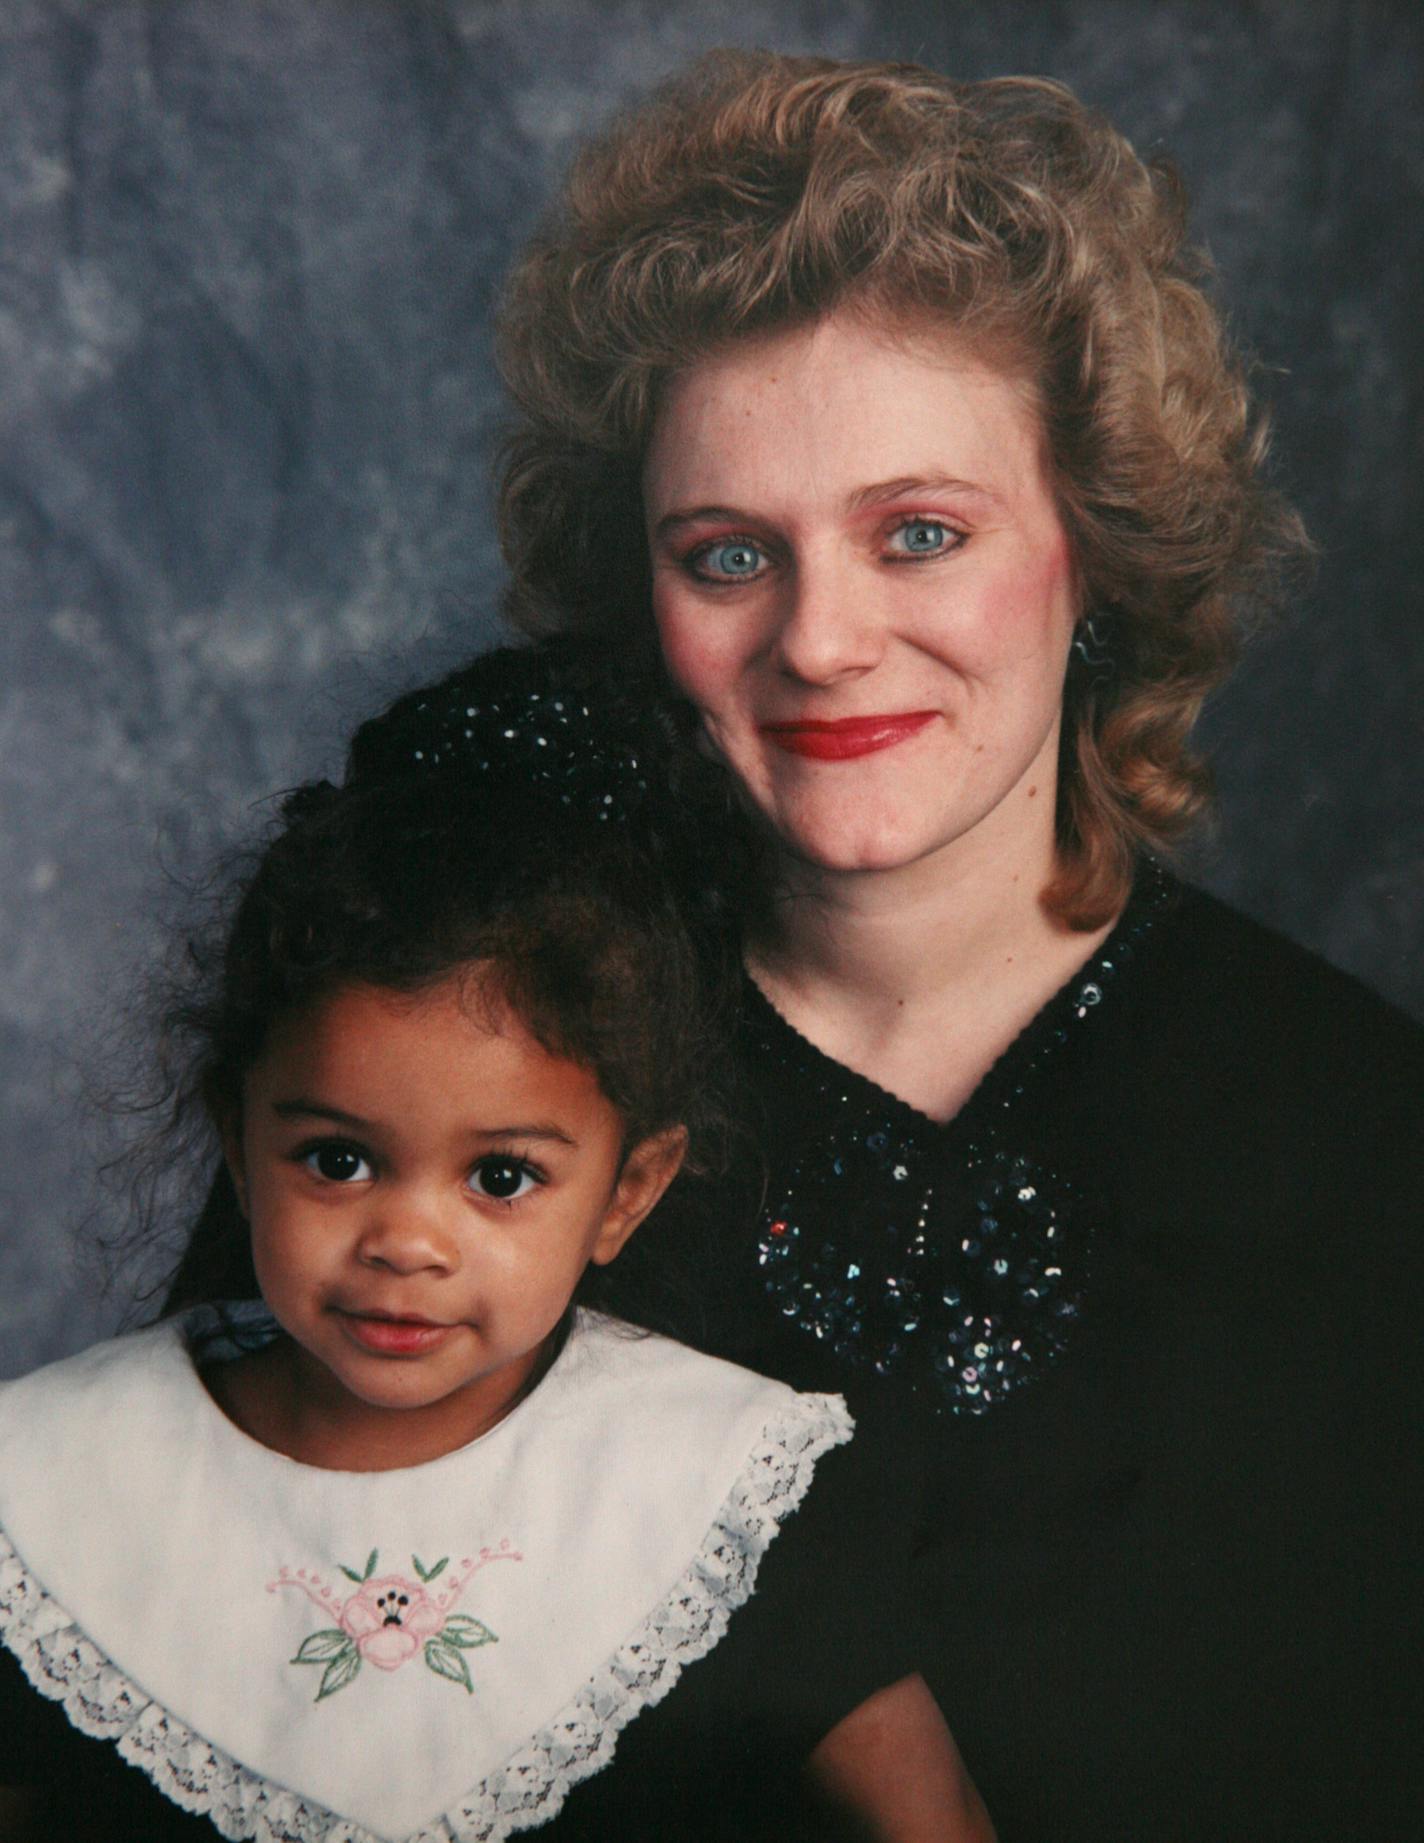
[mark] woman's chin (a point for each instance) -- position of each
(867, 850)
(911, 824)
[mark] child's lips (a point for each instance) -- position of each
(408, 1335)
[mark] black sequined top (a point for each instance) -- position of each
(1142, 1320)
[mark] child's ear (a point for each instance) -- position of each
(647, 1171)
(226, 1117)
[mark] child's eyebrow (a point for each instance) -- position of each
(301, 1108)
(535, 1130)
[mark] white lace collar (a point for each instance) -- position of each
(430, 1654)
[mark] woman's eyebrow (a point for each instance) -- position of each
(302, 1108)
(697, 515)
(907, 485)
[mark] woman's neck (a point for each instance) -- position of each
(920, 977)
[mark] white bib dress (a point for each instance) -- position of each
(435, 1654)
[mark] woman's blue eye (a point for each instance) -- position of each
(504, 1179)
(337, 1163)
(920, 537)
(735, 558)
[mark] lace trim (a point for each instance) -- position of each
(531, 1785)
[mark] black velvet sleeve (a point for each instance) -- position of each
(23, 1729)
(829, 1624)
(90, 1794)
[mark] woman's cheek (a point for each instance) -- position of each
(697, 660)
(1046, 598)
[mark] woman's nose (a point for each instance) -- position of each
(407, 1235)
(829, 626)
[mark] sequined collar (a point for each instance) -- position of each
(948, 1255)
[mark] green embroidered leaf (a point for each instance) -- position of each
(322, 1645)
(467, 1632)
(370, 1565)
(429, 1574)
(466, 1619)
(350, 1573)
(445, 1661)
(339, 1672)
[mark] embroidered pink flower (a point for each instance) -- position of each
(390, 1618)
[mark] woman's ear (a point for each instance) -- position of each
(647, 1171)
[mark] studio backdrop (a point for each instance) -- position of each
(247, 263)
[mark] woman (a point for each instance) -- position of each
(889, 413)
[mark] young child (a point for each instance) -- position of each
(390, 1535)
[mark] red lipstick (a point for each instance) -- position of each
(394, 1337)
(848, 737)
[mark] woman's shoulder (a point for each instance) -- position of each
(1239, 1074)
(1217, 984)
(1212, 940)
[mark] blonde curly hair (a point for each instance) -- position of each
(756, 192)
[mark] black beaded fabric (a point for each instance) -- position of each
(549, 717)
(947, 1257)
(604, 740)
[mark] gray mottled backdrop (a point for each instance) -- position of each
(246, 269)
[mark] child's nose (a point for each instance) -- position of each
(408, 1236)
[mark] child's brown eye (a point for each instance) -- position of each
(338, 1164)
(502, 1178)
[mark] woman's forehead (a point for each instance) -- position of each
(848, 403)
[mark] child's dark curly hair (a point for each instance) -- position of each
(560, 885)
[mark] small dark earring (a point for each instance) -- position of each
(1092, 645)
